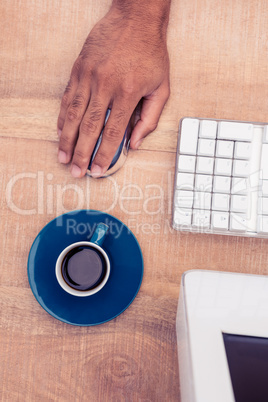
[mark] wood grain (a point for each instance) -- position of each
(219, 65)
(37, 118)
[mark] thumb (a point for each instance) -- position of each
(150, 113)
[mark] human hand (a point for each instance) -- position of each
(123, 60)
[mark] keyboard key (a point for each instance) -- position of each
(239, 185)
(220, 202)
(201, 219)
(265, 135)
(263, 206)
(220, 220)
(203, 182)
(242, 150)
(223, 167)
(202, 200)
(225, 149)
(183, 217)
(204, 165)
(238, 222)
(186, 163)
(185, 181)
(221, 184)
(262, 227)
(263, 188)
(189, 135)
(239, 203)
(235, 131)
(208, 129)
(206, 147)
(184, 198)
(241, 168)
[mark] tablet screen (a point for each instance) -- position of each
(248, 364)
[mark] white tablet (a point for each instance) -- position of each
(222, 333)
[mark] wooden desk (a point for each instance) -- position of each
(219, 69)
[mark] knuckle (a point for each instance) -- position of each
(66, 142)
(102, 158)
(111, 134)
(151, 126)
(166, 93)
(90, 122)
(68, 86)
(72, 114)
(96, 106)
(96, 111)
(101, 73)
(87, 126)
(60, 122)
(80, 157)
(77, 67)
(86, 71)
(104, 71)
(78, 101)
(105, 83)
(120, 116)
(128, 88)
(65, 101)
(75, 110)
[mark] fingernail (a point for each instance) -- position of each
(75, 171)
(138, 143)
(62, 157)
(59, 132)
(96, 171)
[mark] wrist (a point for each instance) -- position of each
(155, 13)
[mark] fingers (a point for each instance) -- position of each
(151, 110)
(82, 115)
(81, 120)
(68, 96)
(112, 137)
(89, 132)
(83, 123)
(72, 116)
(65, 102)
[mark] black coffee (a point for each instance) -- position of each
(83, 268)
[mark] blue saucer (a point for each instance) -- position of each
(126, 268)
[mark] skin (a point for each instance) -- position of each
(124, 61)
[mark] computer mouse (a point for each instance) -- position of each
(121, 153)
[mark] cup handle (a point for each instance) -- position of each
(99, 234)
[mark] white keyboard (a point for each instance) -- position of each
(221, 180)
